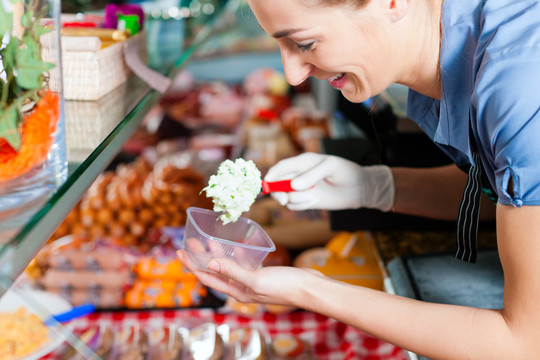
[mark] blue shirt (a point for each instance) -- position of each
(490, 74)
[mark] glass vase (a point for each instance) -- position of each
(32, 134)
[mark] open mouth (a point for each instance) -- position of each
(338, 81)
(336, 77)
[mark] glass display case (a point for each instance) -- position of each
(96, 130)
(193, 35)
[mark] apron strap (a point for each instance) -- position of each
(469, 211)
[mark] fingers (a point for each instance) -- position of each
(303, 206)
(298, 200)
(206, 277)
(231, 270)
(314, 175)
(224, 276)
(284, 169)
(280, 197)
(303, 200)
(212, 279)
(188, 264)
(306, 170)
(301, 197)
(183, 257)
(289, 168)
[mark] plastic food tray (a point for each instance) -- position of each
(206, 238)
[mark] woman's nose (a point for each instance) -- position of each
(295, 68)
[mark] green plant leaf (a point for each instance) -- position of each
(9, 126)
(4, 92)
(26, 18)
(32, 44)
(9, 91)
(8, 54)
(30, 69)
(39, 30)
(23, 68)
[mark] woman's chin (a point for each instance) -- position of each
(355, 97)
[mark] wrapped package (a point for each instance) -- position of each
(204, 343)
(164, 294)
(99, 339)
(165, 343)
(288, 347)
(96, 272)
(247, 343)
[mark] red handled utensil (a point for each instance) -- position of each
(276, 186)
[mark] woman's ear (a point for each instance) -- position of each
(397, 8)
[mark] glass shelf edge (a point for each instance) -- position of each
(21, 250)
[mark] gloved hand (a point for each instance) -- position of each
(332, 183)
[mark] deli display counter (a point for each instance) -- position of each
(218, 47)
(95, 132)
(133, 313)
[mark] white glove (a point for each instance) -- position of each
(332, 183)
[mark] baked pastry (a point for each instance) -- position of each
(135, 199)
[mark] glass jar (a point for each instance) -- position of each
(32, 134)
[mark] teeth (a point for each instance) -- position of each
(335, 77)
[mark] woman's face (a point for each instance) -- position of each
(349, 47)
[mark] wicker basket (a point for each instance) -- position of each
(89, 122)
(91, 70)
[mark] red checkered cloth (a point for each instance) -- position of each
(330, 339)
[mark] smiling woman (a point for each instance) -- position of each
(473, 69)
(360, 43)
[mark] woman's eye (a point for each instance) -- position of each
(305, 46)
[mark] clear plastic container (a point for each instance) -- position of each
(206, 238)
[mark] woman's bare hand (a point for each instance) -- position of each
(279, 285)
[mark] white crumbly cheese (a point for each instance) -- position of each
(234, 188)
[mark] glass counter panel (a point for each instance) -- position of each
(96, 131)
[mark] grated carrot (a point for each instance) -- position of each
(36, 139)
